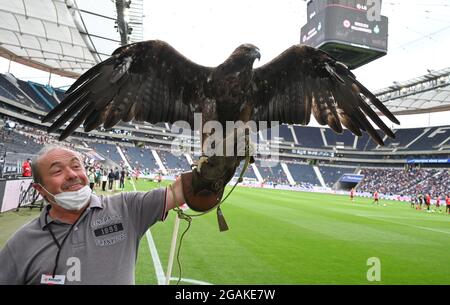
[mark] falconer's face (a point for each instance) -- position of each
(61, 170)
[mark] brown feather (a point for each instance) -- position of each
(138, 81)
(329, 90)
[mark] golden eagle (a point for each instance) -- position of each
(151, 81)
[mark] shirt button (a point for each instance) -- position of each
(76, 228)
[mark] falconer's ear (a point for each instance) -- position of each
(41, 190)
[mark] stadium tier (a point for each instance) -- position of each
(309, 156)
(273, 174)
(404, 137)
(33, 95)
(16, 142)
(346, 139)
(286, 134)
(139, 157)
(303, 174)
(332, 174)
(108, 151)
(45, 93)
(59, 94)
(172, 163)
(408, 182)
(8, 90)
(309, 137)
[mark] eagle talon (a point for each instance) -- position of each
(200, 162)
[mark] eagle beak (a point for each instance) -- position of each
(256, 54)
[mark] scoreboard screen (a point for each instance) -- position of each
(346, 30)
(316, 6)
(342, 24)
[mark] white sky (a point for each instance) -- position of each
(207, 31)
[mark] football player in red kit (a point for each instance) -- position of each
(376, 197)
(438, 203)
(447, 202)
(352, 194)
(428, 201)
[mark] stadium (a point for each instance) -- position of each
(308, 218)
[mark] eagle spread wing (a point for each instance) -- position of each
(302, 80)
(147, 81)
(150, 81)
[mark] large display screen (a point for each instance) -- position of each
(314, 7)
(345, 25)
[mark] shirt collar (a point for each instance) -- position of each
(94, 204)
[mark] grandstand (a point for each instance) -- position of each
(313, 156)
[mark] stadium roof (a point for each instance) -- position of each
(45, 35)
(65, 37)
(428, 93)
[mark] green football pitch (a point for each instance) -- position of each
(286, 237)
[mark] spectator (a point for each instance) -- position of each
(122, 179)
(91, 177)
(26, 168)
(421, 199)
(98, 177)
(116, 179)
(104, 179)
(111, 177)
(413, 200)
(406, 182)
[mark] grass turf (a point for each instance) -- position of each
(283, 237)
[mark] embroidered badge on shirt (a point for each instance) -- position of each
(47, 279)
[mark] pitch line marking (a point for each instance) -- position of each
(190, 281)
(155, 257)
(405, 224)
(153, 253)
(161, 277)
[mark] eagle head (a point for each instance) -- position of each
(247, 51)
